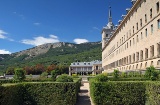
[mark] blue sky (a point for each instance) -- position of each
(28, 23)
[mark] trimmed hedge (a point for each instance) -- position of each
(125, 93)
(118, 93)
(153, 93)
(40, 93)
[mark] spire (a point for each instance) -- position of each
(110, 15)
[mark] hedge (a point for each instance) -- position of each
(48, 93)
(125, 93)
(153, 93)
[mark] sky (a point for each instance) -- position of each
(28, 23)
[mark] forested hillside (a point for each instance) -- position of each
(58, 54)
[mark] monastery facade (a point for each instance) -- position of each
(135, 43)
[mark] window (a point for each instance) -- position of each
(158, 21)
(130, 42)
(141, 55)
(133, 57)
(124, 37)
(151, 13)
(137, 57)
(137, 39)
(158, 62)
(151, 63)
(141, 22)
(127, 44)
(133, 29)
(146, 18)
(137, 26)
(152, 50)
(127, 35)
(157, 6)
(158, 48)
(141, 35)
(144, 0)
(146, 53)
(129, 58)
(117, 44)
(106, 35)
(120, 41)
(146, 32)
(151, 28)
(133, 41)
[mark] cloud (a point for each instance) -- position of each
(41, 40)
(3, 51)
(2, 34)
(37, 24)
(79, 41)
(96, 28)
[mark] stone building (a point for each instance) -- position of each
(135, 43)
(85, 68)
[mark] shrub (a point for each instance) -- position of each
(101, 78)
(123, 74)
(151, 73)
(54, 74)
(64, 78)
(19, 74)
(116, 74)
(40, 93)
(44, 75)
(117, 93)
(75, 76)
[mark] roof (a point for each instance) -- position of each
(86, 63)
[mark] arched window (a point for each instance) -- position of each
(146, 64)
(151, 63)
(141, 66)
(158, 62)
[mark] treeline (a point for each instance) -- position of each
(39, 69)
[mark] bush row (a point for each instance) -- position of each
(48, 93)
(125, 93)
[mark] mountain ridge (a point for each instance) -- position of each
(53, 53)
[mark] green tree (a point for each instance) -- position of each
(116, 74)
(10, 71)
(151, 73)
(101, 78)
(64, 78)
(19, 74)
(54, 74)
(44, 75)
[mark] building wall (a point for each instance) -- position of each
(130, 48)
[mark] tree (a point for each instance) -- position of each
(54, 74)
(50, 68)
(39, 68)
(64, 78)
(151, 73)
(19, 74)
(10, 71)
(116, 74)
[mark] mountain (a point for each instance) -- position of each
(52, 53)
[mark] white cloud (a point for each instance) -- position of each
(79, 41)
(2, 34)
(37, 24)
(41, 40)
(3, 51)
(96, 28)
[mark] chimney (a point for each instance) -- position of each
(123, 16)
(119, 21)
(133, 1)
(128, 9)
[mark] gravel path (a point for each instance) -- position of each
(84, 96)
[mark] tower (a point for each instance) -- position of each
(107, 30)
